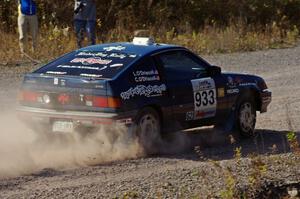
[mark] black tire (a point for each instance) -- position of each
(147, 128)
(245, 114)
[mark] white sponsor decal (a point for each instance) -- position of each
(146, 76)
(92, 54)
(111, 48)
(205, 99)
(56, 72)
(82, 67)
(141, 73)
(202, 84)
(116, 55)
(247, 84)
(55, 81)
(107, 55)
(81, 97)
(116, 65)
(142, 90)
(233, 91)
(90, 75)
(91, 60)
(231, 82)
(62, 82)
(189, 116)
(147, 79)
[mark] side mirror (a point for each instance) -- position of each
(214, 70)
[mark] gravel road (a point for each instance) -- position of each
(202, 168)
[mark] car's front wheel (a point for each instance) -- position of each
(147, 128)
(246, 116)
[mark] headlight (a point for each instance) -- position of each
(262, 85)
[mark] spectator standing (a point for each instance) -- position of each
(27, 20)
(85, 20)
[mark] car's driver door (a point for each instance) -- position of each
(192, 92)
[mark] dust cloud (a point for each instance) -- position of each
(23, 151)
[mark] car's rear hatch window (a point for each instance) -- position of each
(91, 64)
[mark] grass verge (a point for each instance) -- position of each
(54, 41)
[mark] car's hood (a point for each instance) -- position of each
(243, 76)
(240, 79)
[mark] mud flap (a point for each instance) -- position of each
(225, 132)
(229, 125)
(130, 135)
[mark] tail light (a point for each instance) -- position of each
(64, 99)
(114, 102)
(104, 102)
(29, 96)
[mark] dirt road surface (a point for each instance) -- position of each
(205, 165)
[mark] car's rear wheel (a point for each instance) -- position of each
(147, 128)
(246, 116)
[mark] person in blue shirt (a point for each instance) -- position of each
(27, 20)
(85, 20)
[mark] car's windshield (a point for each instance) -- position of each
(92, 64)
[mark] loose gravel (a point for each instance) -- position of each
(204, 168)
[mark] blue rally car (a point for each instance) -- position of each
(154, 87)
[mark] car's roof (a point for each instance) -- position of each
(130, 48)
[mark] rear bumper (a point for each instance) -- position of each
(266, 98)
(46, 116)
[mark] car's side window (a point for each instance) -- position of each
(180, 65)
(145, 71)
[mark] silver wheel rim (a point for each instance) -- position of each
(148, 126)
(246, 117)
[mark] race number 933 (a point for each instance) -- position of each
(204, 98)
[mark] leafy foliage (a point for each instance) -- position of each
(183, 15)
(205, 26)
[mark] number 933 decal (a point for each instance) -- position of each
(205, 101)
